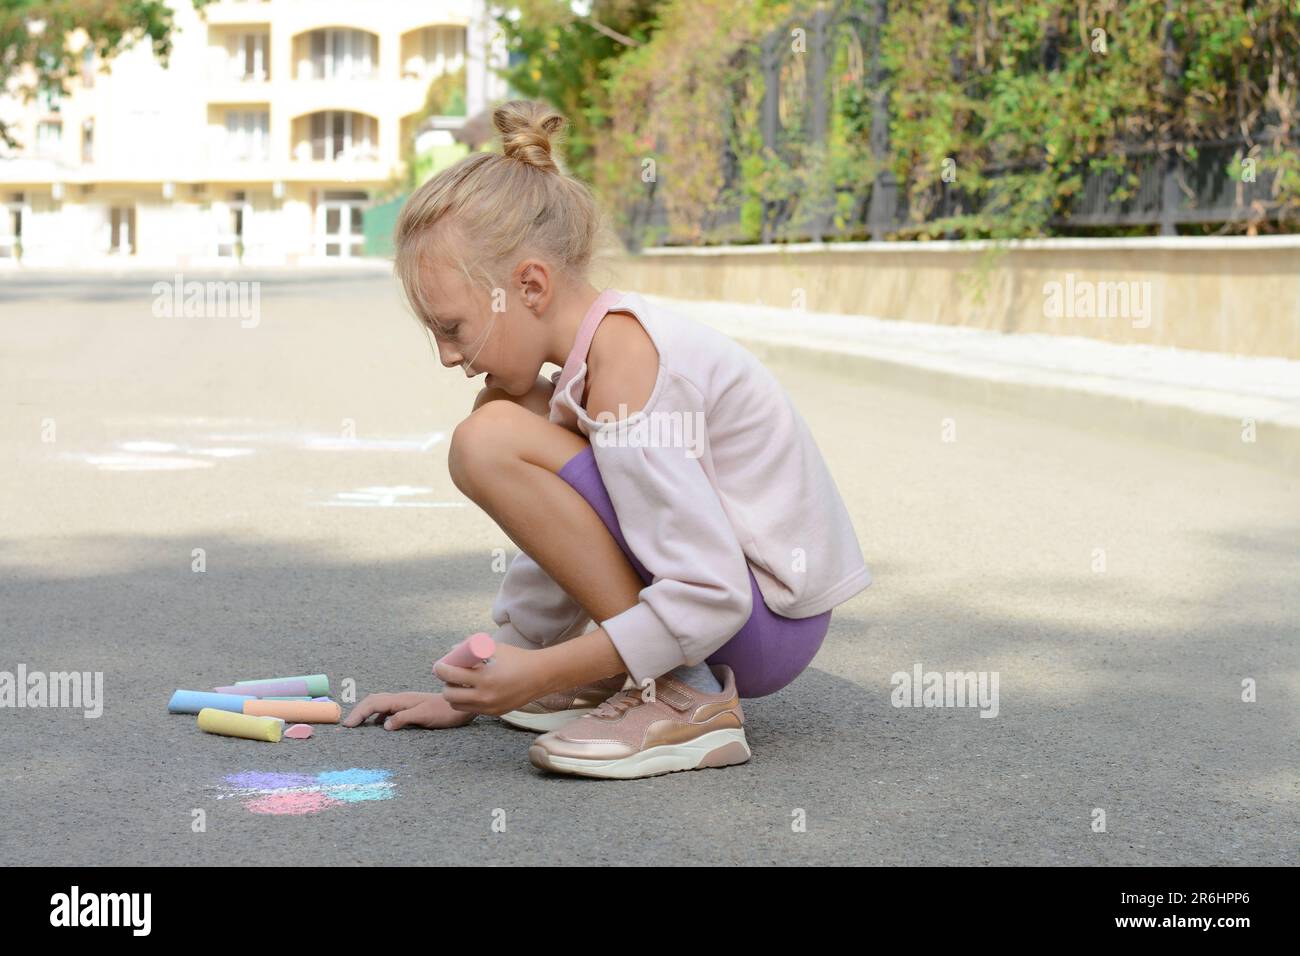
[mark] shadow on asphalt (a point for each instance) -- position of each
(1146, 724)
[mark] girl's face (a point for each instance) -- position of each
(481, 340)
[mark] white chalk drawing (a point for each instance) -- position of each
(335, 443)
(162, 447)
(223, 452)
(148, 454)
(148, 446)
(156, 456)
(328, 442)
(385, 496)
(142, 462)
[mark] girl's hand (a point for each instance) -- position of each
(410, 709)
(511, 679)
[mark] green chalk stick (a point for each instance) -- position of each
(318, 685)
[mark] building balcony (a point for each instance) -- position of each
(226, 89)
(376, 97)
(338, 171)
(238, 63)
(23, 170)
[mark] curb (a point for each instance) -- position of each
(1276, 445)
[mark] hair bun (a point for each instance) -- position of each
(526, 128)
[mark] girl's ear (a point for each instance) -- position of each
(532, 280)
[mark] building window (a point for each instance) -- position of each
(339, 223)
(49, 138)
(248, 136)
(432, 51)
(49, 93)
(236, 212)
(88, 66)
(341, 135)
(88, 141)
(247, 57)
(340, 54)
(121, 237)
(11, 227)
(49, 99)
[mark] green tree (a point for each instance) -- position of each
(1025, 97)
(1019, 100)
(563, 53)
(677, 104)
(35, 35)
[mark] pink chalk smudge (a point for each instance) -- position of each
(293, 803)
(295, 794)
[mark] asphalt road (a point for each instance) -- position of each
(1122, 592)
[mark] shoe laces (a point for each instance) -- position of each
(620, 703)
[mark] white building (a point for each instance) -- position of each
(272, 126)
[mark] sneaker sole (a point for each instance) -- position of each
(543, 722)
(719, 748)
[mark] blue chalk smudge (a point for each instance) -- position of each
(353, 777)
(383, 791)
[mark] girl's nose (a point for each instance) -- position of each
(448, 356)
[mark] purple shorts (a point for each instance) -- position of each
(767, 653)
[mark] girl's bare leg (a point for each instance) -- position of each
(506, 457)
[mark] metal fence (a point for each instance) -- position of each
(1172, 188)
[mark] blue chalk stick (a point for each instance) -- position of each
(193, 701)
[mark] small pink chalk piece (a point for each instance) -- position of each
(298, 731)
(471, 652)
(481, 645)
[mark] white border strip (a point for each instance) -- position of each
(1263, 388)
(1188, 243)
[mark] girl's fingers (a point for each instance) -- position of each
(374, 704)
(400, 717)
(461, 698)
(464, 676)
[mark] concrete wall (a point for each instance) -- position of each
(1237, 295)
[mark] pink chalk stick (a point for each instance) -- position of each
(284, 688)
(299, 731)
(471, 652)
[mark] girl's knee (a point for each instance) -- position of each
(481, 439)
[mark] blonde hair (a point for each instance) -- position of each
(490, 209)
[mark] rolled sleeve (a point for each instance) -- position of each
(647, 647)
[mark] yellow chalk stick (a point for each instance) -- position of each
(296, 711)
(230, 724)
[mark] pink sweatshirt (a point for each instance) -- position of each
(718, 472)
